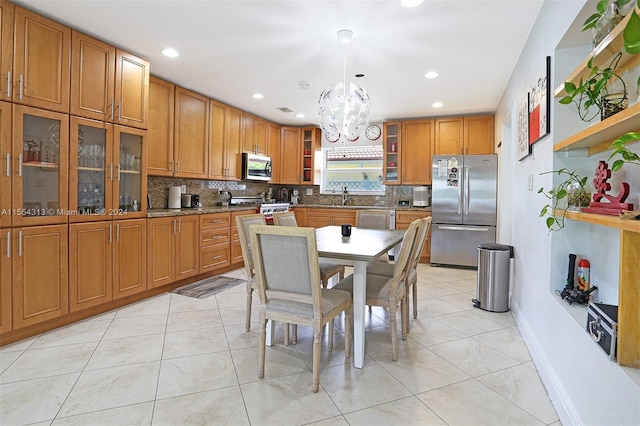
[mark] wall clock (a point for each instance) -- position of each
(331, 137)
(373, 132)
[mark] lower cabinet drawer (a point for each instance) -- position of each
(214, 257)
(236, 253)
(209, 237)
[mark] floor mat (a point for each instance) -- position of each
(208, 287)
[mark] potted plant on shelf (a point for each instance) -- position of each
(573, 189)
(619, 147)
(598, 90)
(608, 14)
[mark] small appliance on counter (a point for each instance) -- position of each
(421, 196)
(295, 197)
(190, 201)
(186, 200)
(175, 193)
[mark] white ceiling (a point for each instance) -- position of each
(230, 49)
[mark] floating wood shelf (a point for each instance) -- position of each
(598, 138)
(604, 220)
(602, 55)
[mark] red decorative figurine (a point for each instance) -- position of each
(615, 204)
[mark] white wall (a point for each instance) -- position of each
(586, 388)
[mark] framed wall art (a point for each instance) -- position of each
(539, 106)
(523, 148)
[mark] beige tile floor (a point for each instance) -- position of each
(174, 360)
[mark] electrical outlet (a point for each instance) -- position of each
(309, 191)
(530, 183)
(183, 189)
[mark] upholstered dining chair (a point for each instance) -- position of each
(389, 292)
(373, 219)
(243, 223)
(411, 279)
(288, 284)
(327, 270)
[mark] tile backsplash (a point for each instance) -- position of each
(158, 190)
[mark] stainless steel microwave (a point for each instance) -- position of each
(255, 167)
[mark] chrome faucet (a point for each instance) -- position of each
(344, 195)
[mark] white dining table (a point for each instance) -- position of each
(362, 247)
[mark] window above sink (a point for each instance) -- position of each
(359, 169)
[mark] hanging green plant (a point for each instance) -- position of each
(573, 189)
(619, 147)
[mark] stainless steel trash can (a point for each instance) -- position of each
(494, 270)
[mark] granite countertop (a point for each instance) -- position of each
(219, 209)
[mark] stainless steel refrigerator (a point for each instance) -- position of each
(463, 207)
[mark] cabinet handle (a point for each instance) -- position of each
(110, 233)
(178, 167)
(110, 171)
(171, 166)
(112, 107)
(8, 244)
(118, 232)
(20, 243)
(119, 110)
(19, 164)
(179, 226)
(21, 84)
(8, 164)
(174, 226)
(216, 257)
(9, 84)
(118, 166)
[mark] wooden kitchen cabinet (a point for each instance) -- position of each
(224, 142)
(254, 134)
(40, 293)
(129, 257)
(391, 148)
(6, 172)
(5, 281)
(310, 144)
(93, 70)
(173, 249)
(449, 137)
(404, 219)
(290, 155)
(479, 134)
(132, 90)
(39, 166)
(416, 143)
(215, 239)
(90, 264)
(6, 47)
(318, 217)
(236, 249)
(191, 134)
(302, 216)
(41, 64)
(274, 151)
(160, 129)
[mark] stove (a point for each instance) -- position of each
(266, 209)
(270, 209)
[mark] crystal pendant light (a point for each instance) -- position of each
(344, 107)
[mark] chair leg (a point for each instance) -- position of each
(348, 322)
(286, 334)
(263, 344)
(294, 334)
(394, 333)
(406, 305)
(317, 338)
(415, 300)
(404, 316)
(247, 325)
(331, 327)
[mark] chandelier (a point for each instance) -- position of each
(344, 107)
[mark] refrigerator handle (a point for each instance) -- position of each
(466, 190)
(463, 228)
(459, 200)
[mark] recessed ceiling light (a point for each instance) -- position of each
(299, 115)
(170, 52)
(257, 96)
(431, 74)
(411, 3)
(437, 104)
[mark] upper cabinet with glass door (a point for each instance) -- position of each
(391, 147)
(40, 167)
(130, 178)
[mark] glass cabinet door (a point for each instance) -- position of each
(130, 182)
(39, 181)
(391, 141)
(91, 170)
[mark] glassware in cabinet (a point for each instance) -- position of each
(130, 183)
(40, 178)
(391, 142)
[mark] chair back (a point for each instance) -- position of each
(421, 237)
(285, 219)
(403, 263)
(373, 219)
(243, 223)
(286, 266)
